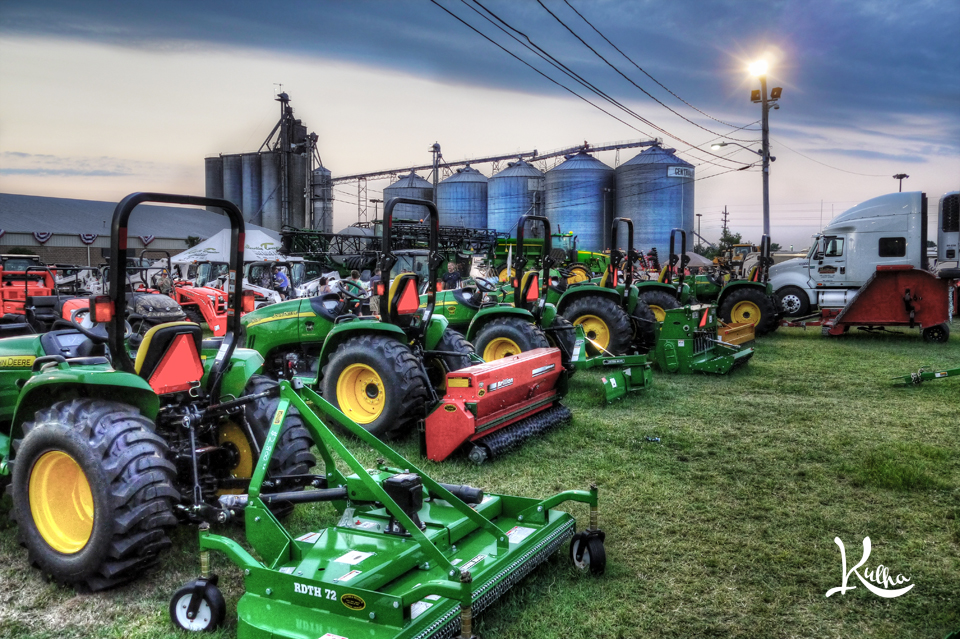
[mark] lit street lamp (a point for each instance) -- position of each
(759, 69)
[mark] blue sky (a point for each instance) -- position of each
(101, 98)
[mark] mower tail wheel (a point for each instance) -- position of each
(93, 493)
(210, 613)
(377, 382)
(659, 302)
(604, 322)
(587, 553)
(505, 336)
(749, 304)
(938, 334)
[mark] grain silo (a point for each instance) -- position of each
(233, 179)
(577, 197)
(251, 187)
(298, 172)
(462, 199)
(655, 190)
(270, 190)
(511, 193)
(213, 178)
(323, 200)
(409, 186)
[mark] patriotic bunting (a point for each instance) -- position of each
(88, 238)
(42, 237)
(146, 239)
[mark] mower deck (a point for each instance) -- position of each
(689, 343)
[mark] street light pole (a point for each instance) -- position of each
(699, 215)
(375, 202)
(765, 127)
(900, 176)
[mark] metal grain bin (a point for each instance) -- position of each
(270, 190)
(655, 190)
(233, 179)
(251, 187)
(576, 200)
(462, 199)
(409, 186)
(511, 193)
(298, 168)
(322, 200)
(213, 178)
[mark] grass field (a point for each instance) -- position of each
(722, 528)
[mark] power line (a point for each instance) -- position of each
(824, 163)
(612, 66)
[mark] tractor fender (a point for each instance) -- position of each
(493, 312)
(632, 296)
(739, 284)
(60, 384)
(652, 285)
(435, 329)
(346, 330)
(549, 314)
(244, 364)
(576, 292)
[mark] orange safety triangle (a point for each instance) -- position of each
(703, 320)
(409, 300)
(179, 368)
(533, 291)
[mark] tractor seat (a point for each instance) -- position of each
(16, 330)
(328, 305)
(169, 357)
(70, 343)
(468, 296)
(607, 281)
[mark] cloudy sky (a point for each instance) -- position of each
(98, 99)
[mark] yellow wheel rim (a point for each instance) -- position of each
(578, 275)
(61, 502)
(658, 312)
(595, 329)
(506, 275)
(500, 347)
(744, 312)
(234, 437)
(360, 393)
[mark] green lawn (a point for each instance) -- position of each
(723, 528)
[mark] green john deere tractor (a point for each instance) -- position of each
(578, 266)
(380, 371)
(105, 449)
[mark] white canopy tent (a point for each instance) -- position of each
(258, 246)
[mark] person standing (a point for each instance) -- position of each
(451, 279)
(280, 282)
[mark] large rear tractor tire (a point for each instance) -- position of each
(659, 302)
(457, 355)
(607, 326)
(92, 493)
(291, 455)
(793, 301)
(578, 273)
(749, 305)
(646, 328)
(377, 382)
(505, 336)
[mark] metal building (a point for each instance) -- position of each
(578, 198)
(516, 190)
(409, 186)
(322, 200)
(462, 199)
(655, 190)
(233, 179)
(251, 187)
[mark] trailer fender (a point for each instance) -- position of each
(487, 314)
(577, 292)
(67, 383)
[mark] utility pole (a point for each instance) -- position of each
(725, 215)
(435, 149)
(375, 202)
(900, 176)
(759, 69)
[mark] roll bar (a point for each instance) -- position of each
(388, 259)
(118, 293)
(617, 256)
(520, 263)
(683, 259)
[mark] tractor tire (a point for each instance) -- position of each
(562, 335)
(437, 366)
(793, 301)
(579, 272)
(291, 455)
(93, 493)
(659, 302)
(505, 336)
(938, 334)
(603, 321)
(646, 326)
(749, 305)
(194, 315)
(503, 275)
(377, 382)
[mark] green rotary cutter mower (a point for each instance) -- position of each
(689, 339)
(410, 558)
(105, 449)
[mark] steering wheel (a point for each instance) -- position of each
(361, 294)
(98, 334)
(485, 285)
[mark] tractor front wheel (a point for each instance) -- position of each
(749, 305)
(377, 382)
(606, 325)
(505, 336)
(578, 273)
(659, 302)
(93, 493)
(194, 315)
